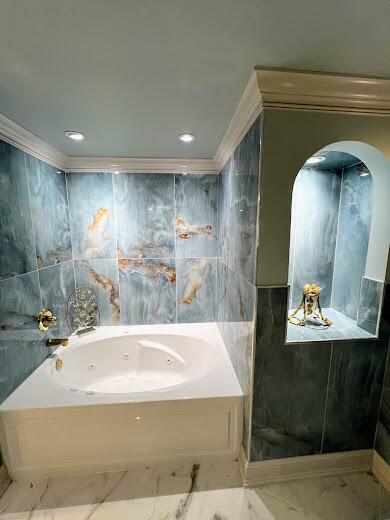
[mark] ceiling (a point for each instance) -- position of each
(133, 74)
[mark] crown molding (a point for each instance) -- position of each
(248, 108)
(140, 165)
(266, 89)
(30, 143)
(302, 90)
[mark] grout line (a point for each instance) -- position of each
(382, 391)
(174, 240)
(326, 399)
(116, 243)
(341, 198)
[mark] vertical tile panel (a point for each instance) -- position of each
(196, 278)
(17, 252)
(369, 305)
(92, 216)
(50, 215)
(145, 215)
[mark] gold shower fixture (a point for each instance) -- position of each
(46, 319)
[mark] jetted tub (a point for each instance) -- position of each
(125, 396)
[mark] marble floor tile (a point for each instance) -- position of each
(193, 492)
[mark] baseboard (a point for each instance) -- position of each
(278, 470)
(5, 481)
(381, 470)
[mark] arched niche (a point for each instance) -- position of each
(339, 240)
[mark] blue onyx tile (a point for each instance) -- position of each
(225, 231)
(369, 304)
(315, 206)
(235, 318)
(57, 283)
(196, 287)
(20, 301)
(91, 208)
(148, 291)
(50, 215)
(102, 276)
(21, 352)
(145, 215)
(355, 385)
(290, 384)
(196, 215)
(353, 235)
(247, 154)
(17, 252)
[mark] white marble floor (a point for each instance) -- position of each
(190, 492)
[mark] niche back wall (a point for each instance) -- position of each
(147, 244)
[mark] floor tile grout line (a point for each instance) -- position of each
(327, 398)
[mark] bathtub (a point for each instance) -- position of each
(122, 397)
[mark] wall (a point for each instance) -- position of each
(237, 232)
(147, 243)
(36, 267)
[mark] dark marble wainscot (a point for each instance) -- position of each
(353, 234)
(290, 385)
(196, 287)
(369, 305)
(22, 348)
(17, 252)
(91, 209)
(147, 291)
(196, 215)
(145, 215)
(50, 215)
(102, 277)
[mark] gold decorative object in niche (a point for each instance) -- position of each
(311, 306)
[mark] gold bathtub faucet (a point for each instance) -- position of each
(53, 342)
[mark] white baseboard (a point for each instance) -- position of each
(278, 470)
(5, 481)
(381, 470)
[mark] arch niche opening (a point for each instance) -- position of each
(331, 220)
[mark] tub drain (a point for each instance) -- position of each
(91, 366)
(168, 361)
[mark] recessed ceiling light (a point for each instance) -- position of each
(184, 173)
(117, 173)
(186, 138)
(315, 159)
(76, 136)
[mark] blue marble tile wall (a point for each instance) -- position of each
(238, 194)
(147, 243)
(382, 441)
(369, 304)
(315, 208)
(356, 202)
(314, 398)
(36, 267)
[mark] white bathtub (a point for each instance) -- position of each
(125, 396)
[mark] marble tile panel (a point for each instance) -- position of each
(314, 215)
(92, 218)
(355, 386)
(290, 385)
(224, 214)
(145, 215)
(50, 215)
(196, 215)
(369, 305)
(56, 284)
(353, 234)
(22, 347)
(17, 252)
(196, 288)
(148, 291)
(102, 276)
(247, 154)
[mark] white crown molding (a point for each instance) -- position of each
(140, 165)
(247, 110)
(30, 143)
(309, 466)
(303, 90)
(266, 89)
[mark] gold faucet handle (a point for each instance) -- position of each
(46, 319)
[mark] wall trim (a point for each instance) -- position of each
(5, 480)
(293, 468)
(30, 143)
(279, 89)
(140, 165)
(381, 470)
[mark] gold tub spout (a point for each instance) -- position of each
(53, 342)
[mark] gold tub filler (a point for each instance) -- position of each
(311, 306)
